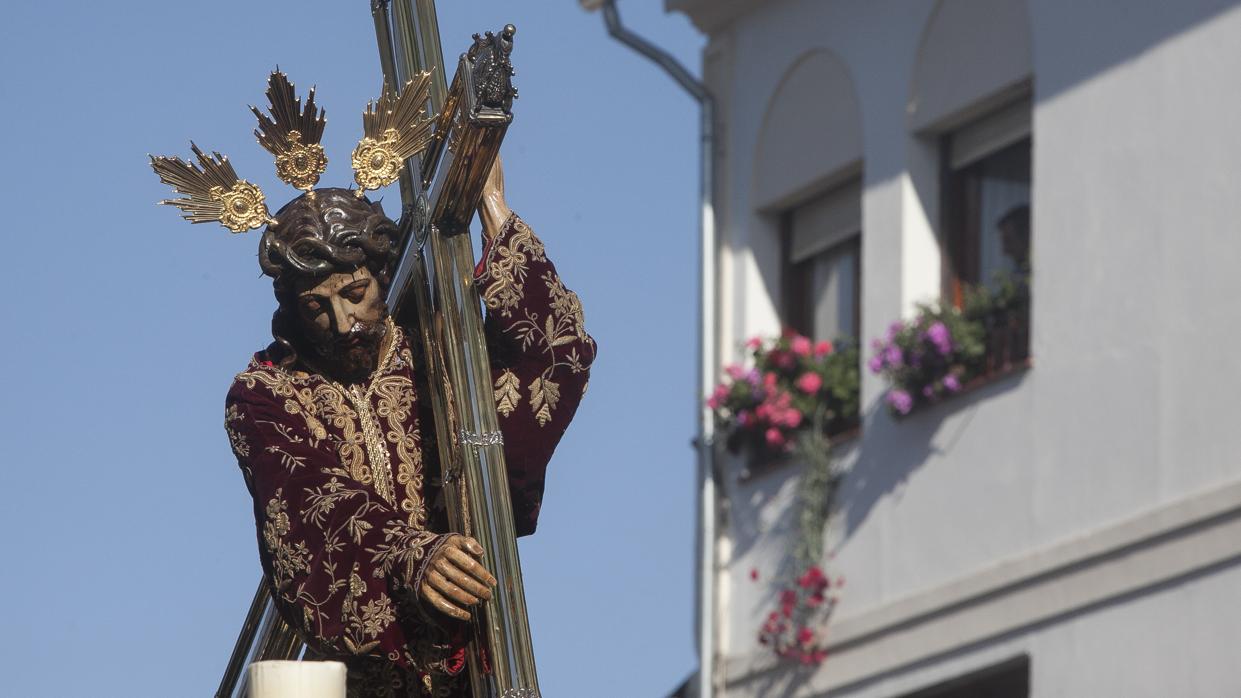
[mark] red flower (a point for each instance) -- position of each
(754, 573)
(822, 348)
(813, 577)
(805, 635)
(782, 359)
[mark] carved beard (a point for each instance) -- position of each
(354, 355)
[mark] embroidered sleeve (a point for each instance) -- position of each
(541, 356)
(342, 563)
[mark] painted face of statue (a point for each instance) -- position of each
(342, 317)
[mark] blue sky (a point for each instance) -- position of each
(131, 554)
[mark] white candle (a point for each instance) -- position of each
(284, 679)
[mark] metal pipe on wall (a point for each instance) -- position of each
(707, 333)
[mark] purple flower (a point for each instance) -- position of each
(928, 391)
(875, 364)
(939, 335)
(895, 329)
(752, 377)
(951, 383)
(900, 401)
(893, 356)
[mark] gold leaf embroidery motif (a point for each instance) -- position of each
(564, 326)
(544, 394)
(374, 433)
(508, 268)
(507, 393)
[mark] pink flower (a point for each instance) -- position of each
(822, 348)
(754, 575)
(769, 380)
(809, 382)
(951, 383)
(801, 345)
(713, 403)
(753, 343)
(775, 439)
(805, 635)
(791, 418)
(734, 371)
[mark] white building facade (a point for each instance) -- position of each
(1071, 528)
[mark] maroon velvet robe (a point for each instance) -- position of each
(346, 480)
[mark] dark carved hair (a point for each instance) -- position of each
(314, 236)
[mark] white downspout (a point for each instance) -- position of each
(707, 333)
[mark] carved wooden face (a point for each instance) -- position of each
(342, 317)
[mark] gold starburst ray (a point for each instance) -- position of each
(396, 127)
(213, 192)
(292, 133)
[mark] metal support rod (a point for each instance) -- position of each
(707, 332)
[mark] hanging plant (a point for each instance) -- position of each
(807, 597)
(794, 396)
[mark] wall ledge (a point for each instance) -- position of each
(1161, 545)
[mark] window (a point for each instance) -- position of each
(987, 228)
(1008, 680)
(822, 265)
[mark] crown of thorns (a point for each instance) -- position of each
(396, 127)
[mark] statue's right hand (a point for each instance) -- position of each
(455, 580)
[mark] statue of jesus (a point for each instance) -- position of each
(334, 438)
(331, 424)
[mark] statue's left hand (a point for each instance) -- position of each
(494, 210)
(456, 580)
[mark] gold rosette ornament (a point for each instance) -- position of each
(292, 133)
(213, 191)
(375, 162)
(244, 206)
(396, 128)
(301, 164)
